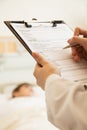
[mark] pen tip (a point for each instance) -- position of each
(65, 47)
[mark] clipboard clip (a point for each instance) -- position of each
(55, 22)
(27, 25)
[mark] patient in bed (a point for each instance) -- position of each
(26, 109)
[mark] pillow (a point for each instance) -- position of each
(9, 89)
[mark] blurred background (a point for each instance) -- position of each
(16, 65)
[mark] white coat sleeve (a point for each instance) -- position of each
(66, 103)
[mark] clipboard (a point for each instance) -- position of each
(29, 25)
(49, 38)
(47, 27)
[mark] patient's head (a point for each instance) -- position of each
(24, 89)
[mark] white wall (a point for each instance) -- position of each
(74, 12)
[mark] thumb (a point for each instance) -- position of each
(40, 60)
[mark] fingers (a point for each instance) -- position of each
(75, 54)
(79, 31)
(79, 40)
(40, 60)
(37, 67)
(82, 41)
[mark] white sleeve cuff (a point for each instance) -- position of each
(51, 78)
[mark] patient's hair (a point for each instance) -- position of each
(17, 89)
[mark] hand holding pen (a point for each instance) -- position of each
(78, 44)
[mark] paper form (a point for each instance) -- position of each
(49, 41)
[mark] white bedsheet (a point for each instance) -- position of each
(27, 113)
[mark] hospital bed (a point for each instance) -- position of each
(24, 113)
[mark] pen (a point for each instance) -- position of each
(72, 45)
